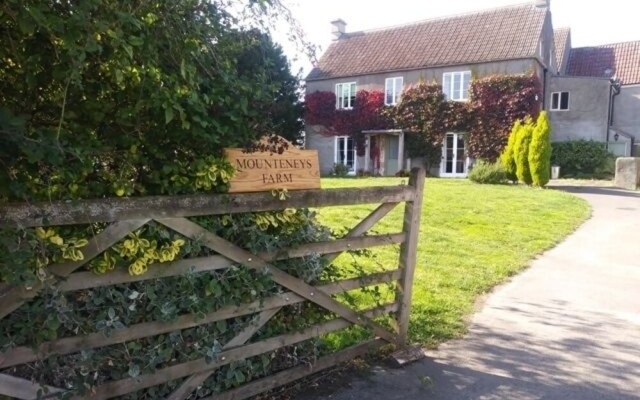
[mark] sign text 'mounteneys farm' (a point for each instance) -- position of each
(263, 170)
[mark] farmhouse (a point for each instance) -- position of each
(591, 93)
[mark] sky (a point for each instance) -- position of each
(592, 22)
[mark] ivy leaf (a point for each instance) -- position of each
(183, 72)
(111, 313)
(168, 115)
(222, 326)
(239, 375)
(134, 370)
(128, 49)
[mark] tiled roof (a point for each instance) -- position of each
(499, 34)
(621, 60)
(560, 38)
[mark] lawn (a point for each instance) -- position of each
(472, 238)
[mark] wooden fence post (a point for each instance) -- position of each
(408, 250)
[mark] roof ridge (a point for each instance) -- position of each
(443, 17)
(607, 44)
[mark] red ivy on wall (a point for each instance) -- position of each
(366, 114)
(496, 103)
(320, 108)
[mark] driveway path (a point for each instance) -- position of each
(567, 328)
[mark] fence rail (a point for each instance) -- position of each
(128, 215)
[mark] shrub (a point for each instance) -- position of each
(579, 158)
(507, 158)
(488, 173)
(540, 151)
(608, 168)
(340, 170)
(521, 151)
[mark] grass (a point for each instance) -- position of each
(472, 238)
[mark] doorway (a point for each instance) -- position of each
(454, 156)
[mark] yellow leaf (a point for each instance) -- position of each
(41, 233)
(57, 240)
(81, 243)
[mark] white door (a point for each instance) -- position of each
(345, 153)
(454, 158)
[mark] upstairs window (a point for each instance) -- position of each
(345, 95)
(456, 85)
(392, 91)
(560, 101)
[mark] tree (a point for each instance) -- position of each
(521, 151)
(540, 151)
(283, 112)
(507, 158)
(103, 97)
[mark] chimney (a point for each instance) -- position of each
(338, 29)
(542, 3)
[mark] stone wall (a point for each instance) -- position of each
(628, 173)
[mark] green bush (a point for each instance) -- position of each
(581, 158)
(339, 170)
(540, 151)
(488, 173)
(507, 158)
(521, 151)
(608, 168)
(100, 99)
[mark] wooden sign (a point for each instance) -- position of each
(294, 169)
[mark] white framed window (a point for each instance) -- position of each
(455, 85)
(345, 153)
(560, 101)
(392, 90)
(345, 95)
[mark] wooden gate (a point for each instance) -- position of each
(127, 215)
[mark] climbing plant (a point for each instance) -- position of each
(366, 114)
(496, 102)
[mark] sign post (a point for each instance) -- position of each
(262, 171)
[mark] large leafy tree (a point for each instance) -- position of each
(101, 96)
(283, 111)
